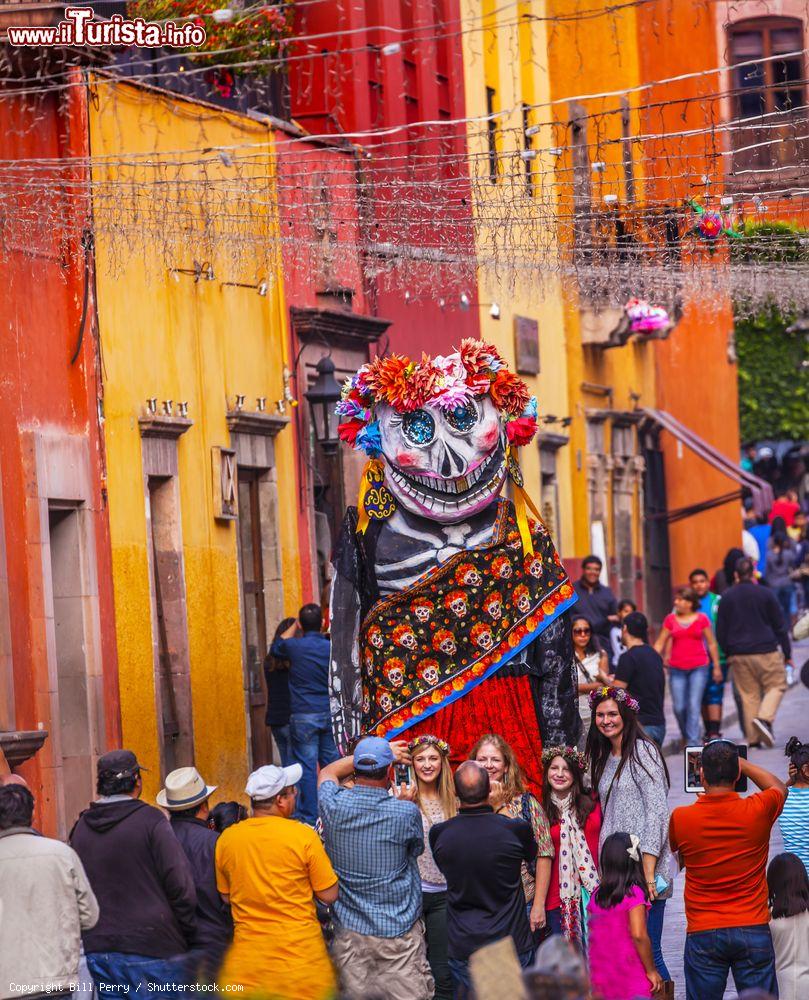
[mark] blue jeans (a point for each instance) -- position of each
(747, 952)
(656, 733)
(654, 927)
(281, 736)
(459, 967)
(687, 688)
(116, 974)
(312, 744)
(784, 595)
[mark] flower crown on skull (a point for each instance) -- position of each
(616, 694)
(570, 754)
(445, 381)
(428, 740)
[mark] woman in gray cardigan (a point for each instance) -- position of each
(632, 780)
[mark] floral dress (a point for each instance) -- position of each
(527, 807)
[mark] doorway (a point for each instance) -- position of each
(655, 533)
(254, 615)
(172, 662)
(76, 742)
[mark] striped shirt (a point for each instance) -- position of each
(373, 841)
(794, 823)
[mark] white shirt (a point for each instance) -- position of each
(790, 938)
(587, 674)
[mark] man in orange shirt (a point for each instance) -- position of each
(269, 868)
(723, 841)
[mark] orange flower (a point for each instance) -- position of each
(509, 393)
(477, 356)
(385, 376)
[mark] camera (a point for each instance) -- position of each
(692, 761)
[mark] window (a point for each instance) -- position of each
(626, 146)
(772, 85)
(491, 130)
(528, 143)
(769, 97)
(580, 163)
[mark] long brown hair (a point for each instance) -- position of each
(583, 803)
(445, 783)
(272, 663)
(513, 779)
(599, 747)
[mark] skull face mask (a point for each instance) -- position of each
(444, 464)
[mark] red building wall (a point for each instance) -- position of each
(380, 66)
(51, 456)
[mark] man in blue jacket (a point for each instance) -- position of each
(308, 651)
(185, 797)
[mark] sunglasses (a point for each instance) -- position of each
(581, 631)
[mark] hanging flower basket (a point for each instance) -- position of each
(239, 42)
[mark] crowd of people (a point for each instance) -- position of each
(380, 874)
(742, 633)
(398, 886)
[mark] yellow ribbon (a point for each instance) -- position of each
(521, 501)
(371, 475)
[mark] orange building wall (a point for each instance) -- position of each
(696, 379)
(48, 399)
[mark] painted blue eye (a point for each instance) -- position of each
(418, 427)
(463, 417)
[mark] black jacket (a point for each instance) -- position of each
(214, 923)
(141, 878)
(480, 854)
(750, 620)
(596, 606)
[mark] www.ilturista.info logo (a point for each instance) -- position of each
(79, 28)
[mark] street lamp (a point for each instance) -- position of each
(322, 397)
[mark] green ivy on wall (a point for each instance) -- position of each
(773, 384)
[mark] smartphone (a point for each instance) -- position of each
(402, 775)
(692, 759)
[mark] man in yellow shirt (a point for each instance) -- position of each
(269, 868)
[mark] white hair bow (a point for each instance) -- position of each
(632, 850)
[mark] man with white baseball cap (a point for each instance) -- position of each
(269, 868)
(186, 796)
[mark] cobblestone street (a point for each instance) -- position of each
(791, 720)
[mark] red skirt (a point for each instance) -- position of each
(502, 705)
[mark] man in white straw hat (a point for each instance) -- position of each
(186, 796)
(269, 867)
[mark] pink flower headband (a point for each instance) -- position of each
(428, 740)
(616, 694)
(570, 754)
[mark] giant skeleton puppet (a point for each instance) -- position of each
(448, 601)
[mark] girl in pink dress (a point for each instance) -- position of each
(620, 953)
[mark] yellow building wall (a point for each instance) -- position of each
(181, 340)
(509, 57)
(593, 54)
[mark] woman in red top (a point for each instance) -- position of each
(688, 647)
(575, 820)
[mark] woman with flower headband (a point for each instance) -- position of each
(629, 774)
(435, 797)
(575, 820)
(510, 797)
